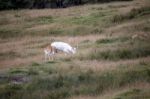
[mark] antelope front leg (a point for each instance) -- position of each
(49, 58)
(52, 58)
(45, 57)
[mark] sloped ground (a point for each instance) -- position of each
(112, 60)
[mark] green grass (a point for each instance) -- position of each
(18, 71)
(60, 85)
(9, 91)
(98, 18)
(42, 20)
(83, 30)
(35, 64)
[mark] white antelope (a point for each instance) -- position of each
(58, 46)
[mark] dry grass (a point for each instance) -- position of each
(25, 51)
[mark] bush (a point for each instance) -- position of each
(17, 4)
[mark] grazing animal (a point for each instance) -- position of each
(58, 46)
(64, 47)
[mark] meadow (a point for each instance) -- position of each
(112, 59)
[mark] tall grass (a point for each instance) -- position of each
(59, 85)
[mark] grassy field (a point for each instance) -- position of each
(112, 59)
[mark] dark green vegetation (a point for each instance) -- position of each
(17, 4)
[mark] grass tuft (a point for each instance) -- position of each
(35, 64)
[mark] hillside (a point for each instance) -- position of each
(112, 59)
